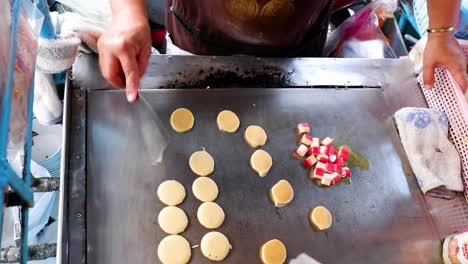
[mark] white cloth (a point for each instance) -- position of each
(172, 49)
(416, 54)
(303, 259)
(434, 159)
(47, 106)
(374, 49)
(57, 55)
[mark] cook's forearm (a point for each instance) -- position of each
(130, 8)
(443, 13)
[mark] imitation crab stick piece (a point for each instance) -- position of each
(317, 173)
(310, 161)
(324, 150)
(301, 150)
(336, 178)
(329, 167)
(315, 142)
(346, 172)
(323, 158)
(314, 151)
(306, 140)
(343, 152)
(332, 154)
(328, 142)
(303, 128)
(326, 180)
(339, 168)
(340, 161)
(321, 165)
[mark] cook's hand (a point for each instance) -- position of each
(443, 50)
(124, 50)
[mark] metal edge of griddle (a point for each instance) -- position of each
(72, 235)
(62, 231)
(165, 71)
(400, 86)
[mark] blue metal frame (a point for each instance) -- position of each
(7, 176)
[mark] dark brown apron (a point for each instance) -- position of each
(277, 28)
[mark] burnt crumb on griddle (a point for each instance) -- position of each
(268, 77)
(278, 213)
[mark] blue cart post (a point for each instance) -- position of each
(21, 186)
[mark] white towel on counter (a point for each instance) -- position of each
(47, 106)
(57, 55)
(433, 158)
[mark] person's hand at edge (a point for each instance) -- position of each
(124, 49)
(443, 50)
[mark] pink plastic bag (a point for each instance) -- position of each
(29, 23)
(5, 32)
(360, 35)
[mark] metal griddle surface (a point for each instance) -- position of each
(379, 218)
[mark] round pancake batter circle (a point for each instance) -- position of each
(228, 121)
(210, 215)
(215, 246)
(171, 192)
(255, 136)
(174, 249)
(261, 162)
(273, 252)
(205, 189)
(201, 163)
(281, 193)
(182, 120)
(172, 220)
(321, 218)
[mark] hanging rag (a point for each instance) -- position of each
(56, 55)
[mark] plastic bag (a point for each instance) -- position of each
(153, 132)
(29, 25)
(360, 35)
(5, 32)
(38, 215)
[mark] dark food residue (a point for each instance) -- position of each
(268, 77)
